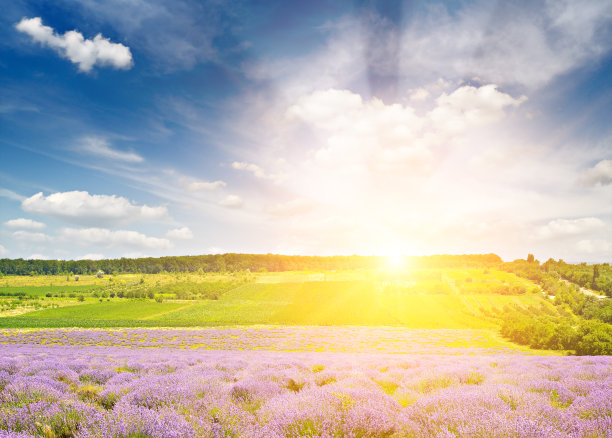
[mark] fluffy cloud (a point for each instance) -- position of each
(600, 174)
(25, 224)
(30, 236)
(73, 46)
(198, 186)
(569, 227)
(82, 208)
(100, 147)
(102, 237)
(183, 233)
(231, 201)
(469, 107)
(375, 137)
(3, 250)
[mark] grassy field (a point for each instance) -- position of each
(436, 298)
(130, 310)
(346, 303)
(41, 291)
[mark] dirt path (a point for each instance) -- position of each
(155, 315)
(584, 290)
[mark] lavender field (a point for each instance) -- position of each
(292, 382)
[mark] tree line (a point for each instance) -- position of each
(232, 262)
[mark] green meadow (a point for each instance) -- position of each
(420, 298)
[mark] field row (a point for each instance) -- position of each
(276, 338)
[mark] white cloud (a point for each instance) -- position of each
(73, 46)
(197, 186)
(183, 233)
(102, 237)
(249, 167)
(591, 246)
(600, 174)
(100, 147)
(231, 201)
(468, 107)
(25, 224)
(82, 208)
(371, 136)
(31, 236)
(3, 250)
(569, 227)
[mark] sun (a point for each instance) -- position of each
(396, 262)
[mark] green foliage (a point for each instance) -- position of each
(233, 263)
(128, 310)
(595, 338)
(541, 331)
(597, 277)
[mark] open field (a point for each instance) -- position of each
(426, 298)
(295, 354)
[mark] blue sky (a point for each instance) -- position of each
(133, 128)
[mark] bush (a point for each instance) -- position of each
(595, 339)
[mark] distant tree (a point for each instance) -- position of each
(530, 258)
(595, 273)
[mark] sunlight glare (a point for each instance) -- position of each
(396, 262)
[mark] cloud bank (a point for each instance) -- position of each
(82, 208)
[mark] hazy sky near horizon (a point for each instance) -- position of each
(148, 128)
